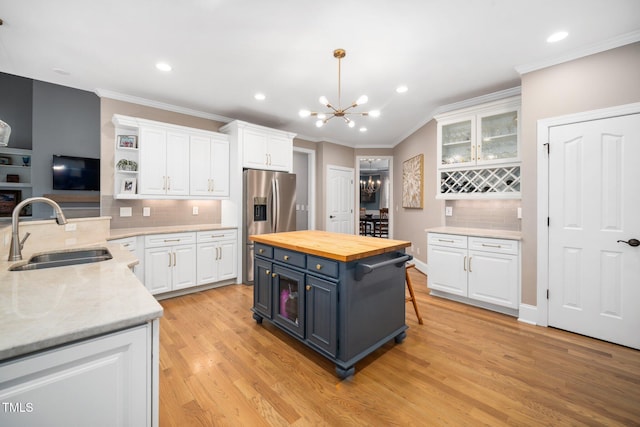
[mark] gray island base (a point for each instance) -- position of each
(343, 309)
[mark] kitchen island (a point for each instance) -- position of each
(341, 295)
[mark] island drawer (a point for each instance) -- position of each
(263, 250)
(323, 266)
(290, 257)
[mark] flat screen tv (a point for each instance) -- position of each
(76, 173)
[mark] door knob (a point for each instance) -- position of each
(630, 242)
(331, 216)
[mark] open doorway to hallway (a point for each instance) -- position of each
(304, 166)
(375, 195)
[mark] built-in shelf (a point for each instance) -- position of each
(73, 198)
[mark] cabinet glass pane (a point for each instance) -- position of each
(288, 298)
(456, 143)
(499, 136)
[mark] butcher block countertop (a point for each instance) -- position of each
(337, 246)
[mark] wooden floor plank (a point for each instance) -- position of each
(464, 366)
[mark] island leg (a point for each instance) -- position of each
(345, 373)
(257, 318)
(400, 337)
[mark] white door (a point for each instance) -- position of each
(177, 163)
(200, 166)
(220, 167)
(339, 198)
(594, 205)
(153, 161)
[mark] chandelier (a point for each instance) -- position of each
(338, 111)
(370, 186)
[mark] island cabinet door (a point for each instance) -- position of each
(288, 298)
(321, 314)
(262, 287)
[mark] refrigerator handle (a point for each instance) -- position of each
(275, 205)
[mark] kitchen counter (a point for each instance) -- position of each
(337, 246)
(120, 233)
(48, 307)
(477, 232)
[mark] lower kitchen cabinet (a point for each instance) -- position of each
(480, 270)
(134, 245)
(217, 256)
(170, 262)
(106, 381)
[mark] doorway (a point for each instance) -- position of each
(339, 199)
(374, 192)
(592, 265)
(304, 166)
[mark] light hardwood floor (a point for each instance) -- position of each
(464, 366)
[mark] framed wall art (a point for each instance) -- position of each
(127, 141)
(412, 182)
(128, 186)
(9, 199)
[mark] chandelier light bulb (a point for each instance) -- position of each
(362, 100)
(321, 116)
(304, 113)
(319, 123)
(374, 113)
(351, 123)
(323, 100)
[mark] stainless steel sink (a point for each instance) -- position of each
(64, 258)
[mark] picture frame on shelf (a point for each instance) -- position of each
(127, 141)
(128, 186)
(9, 199)
(4, 160)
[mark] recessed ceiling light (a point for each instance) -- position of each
(363, 129)
(402, 89)
(556, 37)
(259, 96)
(163, 66)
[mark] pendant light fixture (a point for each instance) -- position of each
(339, 111)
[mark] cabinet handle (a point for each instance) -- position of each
(261, 251)
(266, 159)
(218, 253)
(171, 240)
(464, 263)
(318, 267)
(169, 253)
(268, 272)
(168, 183)
(274, 275)
(174, 259)
(286, 257)
(164, 182)
(308, 287)
(445, 240)
(491, 246)
(269, 158)
(470, 271)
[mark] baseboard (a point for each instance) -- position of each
(420, 266)
(528, 314)
(469, 301)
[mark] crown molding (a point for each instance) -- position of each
(104, 93)
(612, 43)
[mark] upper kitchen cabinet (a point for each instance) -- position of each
(209, 165)
(155, 160)
(479, 151)
(261, 147)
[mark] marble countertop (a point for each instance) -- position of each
(44, 308)
(478, 232)
(120, 233)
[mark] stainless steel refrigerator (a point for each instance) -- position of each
(269, 207)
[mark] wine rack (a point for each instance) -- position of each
(498, 182)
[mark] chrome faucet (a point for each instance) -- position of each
(15, 252)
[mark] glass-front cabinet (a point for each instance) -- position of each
(289, 299)
(479, 151)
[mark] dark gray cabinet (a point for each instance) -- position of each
(336, 308)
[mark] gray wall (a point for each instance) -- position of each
(301, 169)
(16, 101)
(65, 121)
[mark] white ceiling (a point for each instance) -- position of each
(224, 51)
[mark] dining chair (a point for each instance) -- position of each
(381, 228)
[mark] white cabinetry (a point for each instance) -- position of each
(106, 381)
(217, 256)
(134, 245)
(209, 165)
(164, 162)
(479, 151)
(15, 175)
(479, 269)
(161, 165)
(170, 262)
(261, 147)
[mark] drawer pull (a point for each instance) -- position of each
(318, 266)
(171, 240)
(274, 275)
(261, 251)
(464, 263)
(470, 258)
(268, 272)
(491, 246)
(445, 240)
(286, 257)
(308, 287)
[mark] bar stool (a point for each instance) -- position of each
(412, 296)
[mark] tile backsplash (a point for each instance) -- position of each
(162, 212)
(491, 214)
